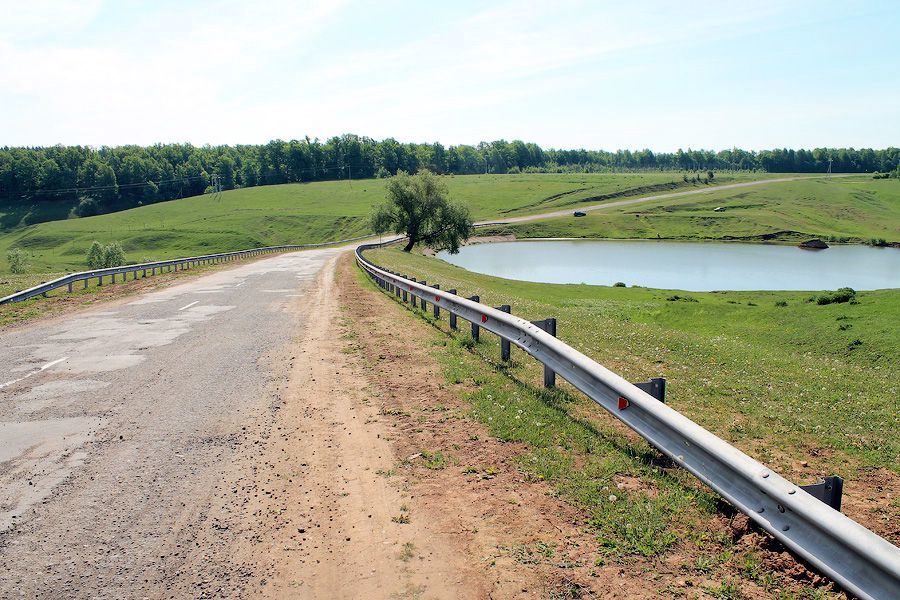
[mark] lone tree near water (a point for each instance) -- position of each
(419, 207)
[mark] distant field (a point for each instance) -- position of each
(855, 209)
(303, 213)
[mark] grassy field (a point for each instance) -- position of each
(845, 210)
(303, 213)
(808, 389)
(783, 378)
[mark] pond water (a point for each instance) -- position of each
(697, 267)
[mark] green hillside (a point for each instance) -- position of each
(857, 209)
(304, 213)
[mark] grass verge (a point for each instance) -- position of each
(808, 389)
(645, 515)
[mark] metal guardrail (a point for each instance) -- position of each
(863, 563)
(175, 263)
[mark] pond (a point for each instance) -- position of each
(690, 266)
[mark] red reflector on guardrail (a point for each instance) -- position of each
(623, 403)
(484, 318)
(437, 298)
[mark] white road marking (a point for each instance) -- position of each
(189, 305)
(44, 368)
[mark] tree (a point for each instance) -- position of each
(16, 259)
(419, 207)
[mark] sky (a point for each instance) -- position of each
(564, 73)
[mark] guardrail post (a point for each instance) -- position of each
(134, 275)
(99, 280)
(548, 325)
(422, 300)
(475, 328)
(70, 286)
(655, 386)
(405, 295)
(827, 489)
(85, 282)
(113, 277)
(412, 295)
(452, 314)
(504, 343)
(437, 308)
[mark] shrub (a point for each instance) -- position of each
(87, 207)
(95, 256)
(105, 257)
(619, 284)
(839, 296)
(16, 259)
(113, 255)
(677, 298)
(879, 242)
(781, 304)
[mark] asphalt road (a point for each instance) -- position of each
(118, 423)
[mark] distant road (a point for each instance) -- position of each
(718, 188)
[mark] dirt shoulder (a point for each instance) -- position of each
(508, 536)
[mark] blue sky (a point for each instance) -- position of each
(563, 74)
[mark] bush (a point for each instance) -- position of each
(878, 242)
(113, 255)
(677, 298)
(16, 259)
(839, 296)
(87, 207)
(95, 256)
(105, 257)
(619, 284)
(781, 304)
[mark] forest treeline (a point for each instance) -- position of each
(105, 179)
